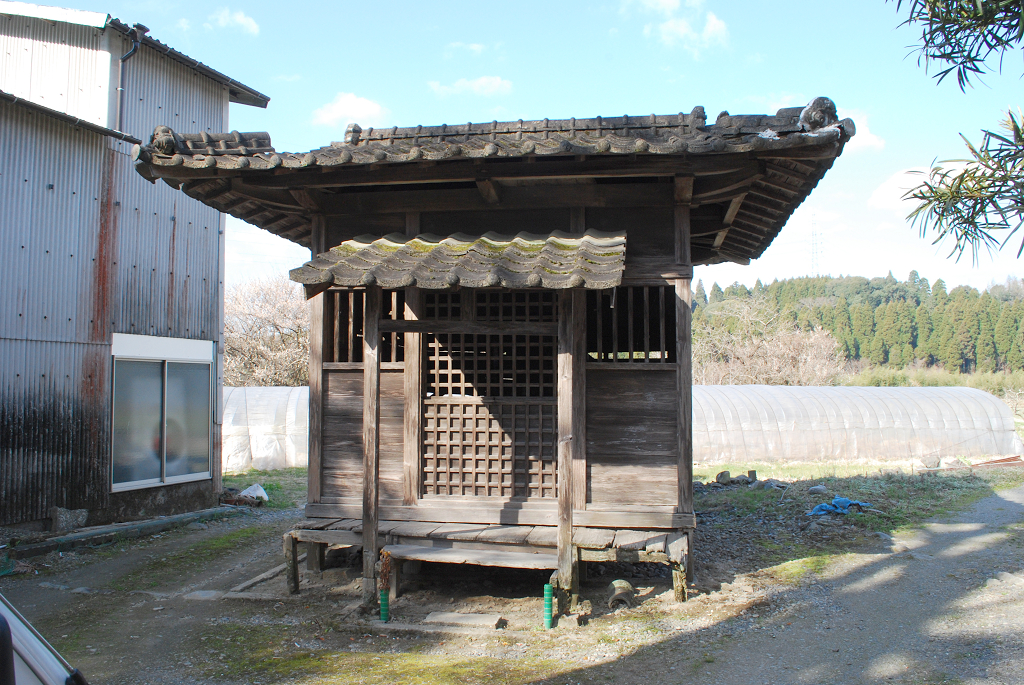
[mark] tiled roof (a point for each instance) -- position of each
(674, 134)
(559, 260)
(751, 170)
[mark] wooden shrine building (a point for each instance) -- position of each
(500, 343)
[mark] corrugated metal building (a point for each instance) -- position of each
(104, 274)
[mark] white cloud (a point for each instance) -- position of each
(225, 18)
(485, 85)
(865, 139)
(678, 30)
(347, 108)
(889, 195)
(452, 48)
(184, 24)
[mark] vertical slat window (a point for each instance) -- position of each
(345, 308)
(631, 324)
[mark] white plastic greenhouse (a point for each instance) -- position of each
(267, 428)
(788, 423)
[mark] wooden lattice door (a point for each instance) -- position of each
(489, 415)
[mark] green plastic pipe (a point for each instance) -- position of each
(548, 596)
(385, 609)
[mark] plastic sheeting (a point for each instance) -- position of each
(265, 428)
(783, 423)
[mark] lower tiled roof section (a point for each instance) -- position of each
(592, 260)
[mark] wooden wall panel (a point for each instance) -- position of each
(649, 230)
(632, 441)
(507, 222)
(343, 434)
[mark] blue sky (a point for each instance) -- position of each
(408, 63)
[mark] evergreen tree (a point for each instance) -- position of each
(716, 294)
(923, 321)
(1004, 334)
(842, 329)
(700, 298)
(878, 351)
(986, 348)
(863, 320)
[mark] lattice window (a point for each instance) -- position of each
(632, 324)
(345, 309)
(524, 306)
(499, 450)
(442, 306)
(489, 413)
(490, 365)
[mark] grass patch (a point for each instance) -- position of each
(269, 654)
(285, 487)
(797, 569)
(186, 562)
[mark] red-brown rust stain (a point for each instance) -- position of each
(104, 274)
(171, 329)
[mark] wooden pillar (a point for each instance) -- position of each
(566, 560)
(579, 395)
(412, 470)
(684, 373)
(371, 438)
(317, 304)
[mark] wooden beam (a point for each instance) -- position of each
(308, 199)
(489, 191)
(684, 390)
(682, 234)
(720, 238)
(579, 395)
(683, 190)
(412, 469)
(398, 200)
(317, 325)
(733, 210)
(566, 407)
(471, 170)
(711, 186)
(388, 326)
(371, 439)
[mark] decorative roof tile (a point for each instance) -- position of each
(593, 260)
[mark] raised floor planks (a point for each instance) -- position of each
(476, 557)
(671, 543)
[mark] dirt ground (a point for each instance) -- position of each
(780, 601)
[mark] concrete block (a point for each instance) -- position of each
(471, 620)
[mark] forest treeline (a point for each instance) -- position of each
(892, 323)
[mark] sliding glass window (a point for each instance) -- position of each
(162, 422)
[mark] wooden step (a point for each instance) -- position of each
(475, 557)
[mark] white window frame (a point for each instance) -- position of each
(151, 348)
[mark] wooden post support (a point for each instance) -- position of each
(395, 579)
(371, 439)
(316, 555)
(684, 390)
(316, 369)
(412, 470)
(579, 395)
(291, 562)
(566, 407)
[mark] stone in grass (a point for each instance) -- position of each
(471, 620)
(723, 478)
(817, 490)
(63, 520)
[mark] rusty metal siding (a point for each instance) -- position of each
(62, 66)
(168, 244)
(54, 333)
(87, 248)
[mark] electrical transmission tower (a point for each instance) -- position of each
(815, 246)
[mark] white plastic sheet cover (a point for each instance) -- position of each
(265, 428)
(784, 423)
